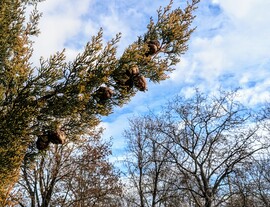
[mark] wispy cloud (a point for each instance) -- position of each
(229, 48)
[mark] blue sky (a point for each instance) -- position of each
(229, 48)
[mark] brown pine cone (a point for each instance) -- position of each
(140, 83)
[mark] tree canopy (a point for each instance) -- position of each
(201, 151)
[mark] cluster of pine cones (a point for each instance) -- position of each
(131, 77)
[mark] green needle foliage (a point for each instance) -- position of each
(74, 95)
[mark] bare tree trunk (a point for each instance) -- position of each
(141, 186)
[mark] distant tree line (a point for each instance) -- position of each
(199, 152)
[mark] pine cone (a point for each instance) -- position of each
(57, 136)
(140, 83)
(42, 142)
(153, 47)
(104, 93)
(133, 71)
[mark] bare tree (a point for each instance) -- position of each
(147, 166)
(39, 178)
(251, 183)
(77, 174)
(94, 181)
(205, 139)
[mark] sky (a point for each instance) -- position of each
(229, 49)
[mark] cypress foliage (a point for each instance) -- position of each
(66, 96)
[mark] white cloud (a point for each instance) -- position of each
(210, 57)
(61, 21)
(249, 11)
(114, 24)
(248, 32)
(231, 41)
(70, 24)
